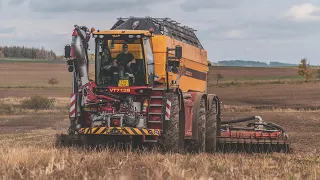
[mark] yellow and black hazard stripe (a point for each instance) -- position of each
(120, 131)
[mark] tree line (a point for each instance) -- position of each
(252, 63)
(25, 52)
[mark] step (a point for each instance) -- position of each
(156, 97)
(155, 105)
(150, 141)
(155, 122)
(155, 113)
(158, 89)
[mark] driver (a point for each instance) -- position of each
(125, 58)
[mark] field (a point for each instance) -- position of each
(276, 94)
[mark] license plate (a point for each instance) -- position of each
(90, 109)
(123, 83)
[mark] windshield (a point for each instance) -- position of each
(120, 61)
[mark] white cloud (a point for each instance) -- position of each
(62, 6)
(304, 12)
(234, 34)
(195, 5)
(16, 2)
(228, 35)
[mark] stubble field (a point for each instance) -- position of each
(27, 136)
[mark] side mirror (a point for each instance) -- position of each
(67, 50)
(174, 63)
(174, 70)
(70, 68)
(178, 52)
(112, 44)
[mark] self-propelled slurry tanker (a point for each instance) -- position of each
(150, 88)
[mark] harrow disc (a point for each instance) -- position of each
(65, 140)
(227, 145)
(96, 142)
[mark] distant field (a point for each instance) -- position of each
(26, 74)
(25, 79)
(33, 74)
(238, 74)
(25, 60)
(39, 71)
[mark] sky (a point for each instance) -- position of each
(264, 30)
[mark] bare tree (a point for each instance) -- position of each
(219, 77)
(303, 69)
(53, 81)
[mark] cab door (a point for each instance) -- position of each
(149, 60)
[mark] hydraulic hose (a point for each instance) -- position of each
(241, 120)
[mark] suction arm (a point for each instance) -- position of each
(81, 36)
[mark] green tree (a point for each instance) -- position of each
(24, 52)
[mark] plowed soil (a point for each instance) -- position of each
(253, 72)
(294, 106)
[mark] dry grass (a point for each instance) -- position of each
(29, 162)
(35, 104)
(30, 154)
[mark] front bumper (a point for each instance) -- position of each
(120, 131)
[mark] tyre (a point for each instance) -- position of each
(170, 139)
(211, 129)
(198, 146)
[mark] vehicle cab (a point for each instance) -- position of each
(110, 71)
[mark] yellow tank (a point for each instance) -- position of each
(193, 67)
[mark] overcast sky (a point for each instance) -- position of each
(260, 30)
